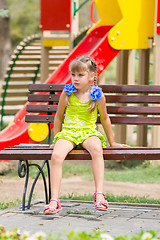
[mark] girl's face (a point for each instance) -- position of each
(81, 80)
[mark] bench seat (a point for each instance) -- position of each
(41, 153)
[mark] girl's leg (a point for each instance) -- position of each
(61, 149)
(94, 147)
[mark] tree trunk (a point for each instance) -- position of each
(5, 39)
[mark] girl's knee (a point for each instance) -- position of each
(56, 158)
(97, 151)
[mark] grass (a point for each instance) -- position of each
(89, 197)
(5, 205)
(144, 173)
(138, 174)
(112, 198)
(79, 212)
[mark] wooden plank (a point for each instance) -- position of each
(109, 154)
(42, 108)
(109, 98)
(48, 147)
(110, 109)
(43, 98)
(114, 119)
(39, 118)
(46, 87)
(132, 99)
(105, 88)
(133, 110)
(135, 120)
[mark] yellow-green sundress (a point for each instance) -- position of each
(79, 123)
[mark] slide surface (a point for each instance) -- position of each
(95, 45)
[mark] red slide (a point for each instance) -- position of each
(96, 45)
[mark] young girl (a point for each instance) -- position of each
(80, 102)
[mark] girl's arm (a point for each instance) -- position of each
(60, 113)
(106, 123)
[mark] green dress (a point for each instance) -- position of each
(79, 123)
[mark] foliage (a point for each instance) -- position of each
(145, 173)
(24, 19)
(74, 235)
(4, 13)
(5, 205)
(112, 198)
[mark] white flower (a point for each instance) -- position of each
(25, 235)
(31, 238)
(106, 236)
(39, 235)
(146, 236)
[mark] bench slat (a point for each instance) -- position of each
(46, 87)
(114, 119)
(133, 110)
(132, 99)
(42, 108)
(109, 154)
(105, 88)
(109, 98)
(43, 98)
(110, 109)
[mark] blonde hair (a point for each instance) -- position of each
(85, 63)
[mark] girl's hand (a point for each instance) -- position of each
(114, 144)
(52, 146)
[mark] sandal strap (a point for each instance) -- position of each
(95, 194)
(57, 201)
(102, 202)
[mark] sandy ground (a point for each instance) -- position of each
(12, 188)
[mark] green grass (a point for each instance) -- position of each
(139, 174)
(89, 197)
(112, 198)
(5, 205)
(79, 212)
(144, 173)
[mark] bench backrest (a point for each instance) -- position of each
(126, 104)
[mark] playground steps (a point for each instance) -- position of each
(23, 72)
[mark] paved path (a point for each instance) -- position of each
(119, 219)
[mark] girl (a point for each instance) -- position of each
(80, 102)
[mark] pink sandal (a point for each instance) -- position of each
(50, 210)
(101, 202)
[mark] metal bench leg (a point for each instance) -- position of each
(23, 170)
(49, 182)
(34, 183)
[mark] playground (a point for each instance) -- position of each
(123, 37)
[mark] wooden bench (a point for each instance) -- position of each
(143, 111)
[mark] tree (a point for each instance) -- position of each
(24, 19)
(5, 39)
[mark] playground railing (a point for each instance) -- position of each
(23, 45)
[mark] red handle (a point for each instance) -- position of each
(92, 11)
